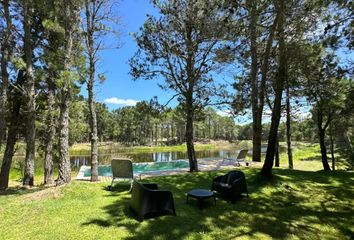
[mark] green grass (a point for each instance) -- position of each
(294, 205)
(306, 156)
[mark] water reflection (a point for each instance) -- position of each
(105, 158)
(78, 161)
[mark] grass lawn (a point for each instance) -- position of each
(295, 205)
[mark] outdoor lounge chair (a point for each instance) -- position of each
(240, 158)
(230, 185)
(147, 199)
(122, 169)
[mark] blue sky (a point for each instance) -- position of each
(119, 88)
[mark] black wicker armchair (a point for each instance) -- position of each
(147, 199)
(231, 185)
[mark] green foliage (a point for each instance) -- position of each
(54, 26)
(182, 47)
(18, 62)
(339, 25)
(79, 127)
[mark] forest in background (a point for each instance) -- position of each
(149, 124)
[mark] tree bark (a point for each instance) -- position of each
(14, 123)
(258, 109)
(323, 151)
(90, 28)
(189, 104)
(94, 138)
(64, 165)
(280, 79)
(48, 159)
(193, 165)
(28, 178)
(288, 126)
(277, 157)
(321, 135)
(257, 122)
(66, 95)
(5, 56)
(257, 137)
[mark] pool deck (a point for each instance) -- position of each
(204, 165)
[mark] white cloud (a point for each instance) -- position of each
(224, 113)
(121, 102)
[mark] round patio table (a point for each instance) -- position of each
(201, 195)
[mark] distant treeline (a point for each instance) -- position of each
(148, 124)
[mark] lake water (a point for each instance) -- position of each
(105, 159)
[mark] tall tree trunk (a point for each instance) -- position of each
(93, 124)
(189, 107)
(64, 164)
(14, 122)
(257, 132)
(277, 157)
(321, 135)
(48, 159)
(28, 178)
(323, 150)
(280, 79)
(66, 95)
(3, 110)
(193, 165)
(332, 147)
(257, 137)
(288, 126)
(5, 56)
(90, 27)
(258, 110)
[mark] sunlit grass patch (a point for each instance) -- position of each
(294, 205)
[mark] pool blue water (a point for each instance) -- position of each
(105, 170)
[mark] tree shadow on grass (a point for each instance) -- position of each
(117, 187)
(278, 209)
(286, 209)
(22, 190)
(316, 158)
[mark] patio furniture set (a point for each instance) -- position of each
(148, 199)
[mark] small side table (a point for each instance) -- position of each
(201, 195)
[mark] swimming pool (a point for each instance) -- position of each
(138, 168)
